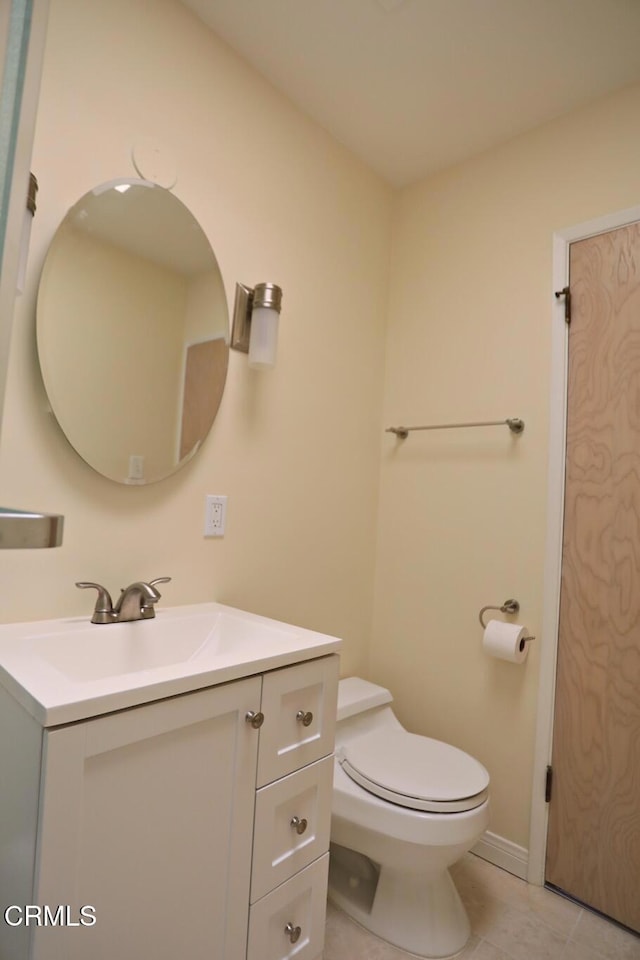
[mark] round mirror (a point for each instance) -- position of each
(132, 331)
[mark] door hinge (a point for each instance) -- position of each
(547, 785)
(566, 293)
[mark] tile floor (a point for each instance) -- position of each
(510, 920)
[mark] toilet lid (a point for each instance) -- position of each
(415, 771)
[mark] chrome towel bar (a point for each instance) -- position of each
(515, 424)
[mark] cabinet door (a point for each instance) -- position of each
(299, 704)
(146, 815)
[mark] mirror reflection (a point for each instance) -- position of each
(132, 331)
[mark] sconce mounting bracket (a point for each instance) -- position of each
(241, 327)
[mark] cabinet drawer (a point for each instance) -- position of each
(290, 920)
(299, 704)
(292, 822)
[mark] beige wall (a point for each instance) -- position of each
(462, 513)
(296, 450)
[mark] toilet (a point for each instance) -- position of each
(404, 809)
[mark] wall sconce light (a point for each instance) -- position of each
(26, 233)
(255, 323)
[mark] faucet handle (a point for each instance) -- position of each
(152, 583)
(147, 606)
(103, 612)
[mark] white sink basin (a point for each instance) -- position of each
(66, 670)
(118, 649)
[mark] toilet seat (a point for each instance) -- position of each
(415, 771)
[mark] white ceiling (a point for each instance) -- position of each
(412, 86)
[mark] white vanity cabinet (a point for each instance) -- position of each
(293, 812)
(197, 826)
(146, 815)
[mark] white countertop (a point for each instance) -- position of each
(66, 670)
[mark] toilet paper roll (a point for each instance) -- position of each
(505, 641)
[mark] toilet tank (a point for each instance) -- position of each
(356, 696)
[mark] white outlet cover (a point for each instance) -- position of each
(215, 515)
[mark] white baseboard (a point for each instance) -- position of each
(503, 853)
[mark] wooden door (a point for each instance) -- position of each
(204, 379)
(147, 816)
(593, 849)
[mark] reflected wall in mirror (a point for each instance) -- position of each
(132, 331)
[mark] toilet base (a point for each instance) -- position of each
(422, 915)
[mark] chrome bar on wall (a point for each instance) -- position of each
(514, 423)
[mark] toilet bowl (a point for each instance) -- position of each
(404, 809)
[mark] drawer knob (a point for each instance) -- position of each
(304, 718)
(293, 932)
(255, 719)
(299, 824)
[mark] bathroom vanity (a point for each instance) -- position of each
(174, 775)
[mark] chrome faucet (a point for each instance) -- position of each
(136, 602)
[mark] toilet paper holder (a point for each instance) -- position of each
(509, 606)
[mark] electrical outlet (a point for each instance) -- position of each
(215, 516)
(136, 467)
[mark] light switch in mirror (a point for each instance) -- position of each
(132, 331)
